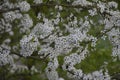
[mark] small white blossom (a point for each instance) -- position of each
(11, 33)
(51, 74)
(37, 1)
(60, 8)
(93, 12)
(33, 70)
(117, 23)
(78, 74)
(51, 71)
(26, 21)
(39, 16)
(61, 79)
(102, 6)
(44, 52)
(113, 4)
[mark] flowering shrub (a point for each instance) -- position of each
(59, 40)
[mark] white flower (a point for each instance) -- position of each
(113, 4)
(39, 16)
(5, 27)
(24, 6)
(51, 74)
(78, 74)
(72, 59)
(18, 15)
(87, 76)
(100, 75)
(93, 12)
(37, 1)
(43, 30)
(33, 70)
(5, 58)
(102, 6)
(117, 23)
(60, 8)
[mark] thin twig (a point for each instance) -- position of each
(31, 57)
(7, 10)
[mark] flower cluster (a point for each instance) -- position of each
(51, 70)
(43, 30)
(112, 4)
(97, 75)
(24, 6)
(28, 45)
(5, 58)
(37, 1)
(26, 23)
(5, 27)
(102, 6)
(114, 37)
(9, 16)
(70, 61)
(72, 36)
(82, 2)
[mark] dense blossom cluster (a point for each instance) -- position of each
(10, 16)
(43, 30)
(5, 57)
(70, 36)
(28, 45)
(112, 4)
(26, 23)
(5, 27)
(24, 6)
(114, 37)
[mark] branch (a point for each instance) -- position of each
(49, 5)
(7, 10)
(32, 57)
(63, 5)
